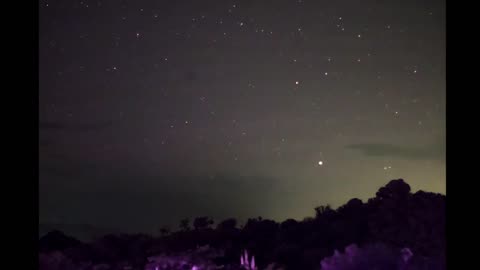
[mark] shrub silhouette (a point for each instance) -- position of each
(380, 228)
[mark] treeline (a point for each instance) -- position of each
(395, 217)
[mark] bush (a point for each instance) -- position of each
(379, 257)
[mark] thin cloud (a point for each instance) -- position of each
(395, 151)
(51, 126)
(79, 127)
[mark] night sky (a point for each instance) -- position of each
(153, 111)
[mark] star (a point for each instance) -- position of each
(244, 94)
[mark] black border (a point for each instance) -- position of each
(22, 133)
(461, 136)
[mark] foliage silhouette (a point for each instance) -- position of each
(391, 221)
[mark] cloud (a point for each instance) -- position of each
(395, 151)
(80, 127)
(51, 125)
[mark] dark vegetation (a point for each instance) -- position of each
(381, 227)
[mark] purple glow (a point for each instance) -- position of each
(244, 261)
(369, 257)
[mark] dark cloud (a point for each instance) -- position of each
(396, 151)
(51, 126)
(42, 142)
(81, 127)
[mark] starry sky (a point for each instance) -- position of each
(153, 111)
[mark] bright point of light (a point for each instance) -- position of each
(320, 163)
(326, 73)
(296, 82)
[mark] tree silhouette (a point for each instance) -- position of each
(394, 218)
(185, 224)
(164, 231)
(227, 224)
(323, 211)
(395, 189)
(201, 223)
